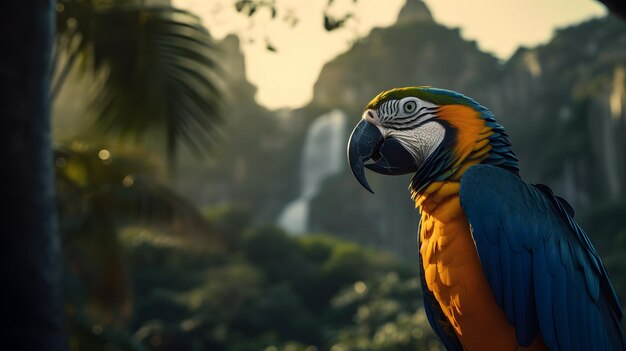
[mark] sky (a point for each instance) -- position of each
(285, 77)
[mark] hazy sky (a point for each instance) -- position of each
(285, 78)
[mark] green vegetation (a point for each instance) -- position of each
(261, 290)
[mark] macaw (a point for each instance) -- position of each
(503, 264)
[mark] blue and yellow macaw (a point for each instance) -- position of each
(504, 265)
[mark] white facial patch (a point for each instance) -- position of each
(420, 142)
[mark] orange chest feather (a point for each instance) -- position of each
(454, 274)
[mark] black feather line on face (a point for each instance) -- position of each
(396, 107)
(413, 121)
(418, 112)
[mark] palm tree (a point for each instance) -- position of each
(142, 55)
(155, 69)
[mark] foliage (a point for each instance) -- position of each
(331, 22)
(100, 191)
(386, 316)
(155, 69)
(268, 292)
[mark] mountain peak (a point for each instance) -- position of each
(414, 11)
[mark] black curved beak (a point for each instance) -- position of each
(391, 158)
(365, 141)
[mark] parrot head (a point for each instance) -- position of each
(433, 133)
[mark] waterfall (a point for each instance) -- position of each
(323, 156)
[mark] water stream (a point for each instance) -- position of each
(323, 156)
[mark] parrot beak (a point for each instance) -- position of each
(390, 157)
(364, 143)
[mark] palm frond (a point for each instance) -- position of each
(159, 70)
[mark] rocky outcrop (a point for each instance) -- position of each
(414, 11)
(417, 51)
(562, 105)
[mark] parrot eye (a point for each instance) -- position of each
(409, 106)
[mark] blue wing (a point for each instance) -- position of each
(542, 268)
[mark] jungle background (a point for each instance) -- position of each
(193, 218)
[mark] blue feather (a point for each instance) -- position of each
(542, 280)
(507, 277)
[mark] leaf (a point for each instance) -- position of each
(331, 23)
(270, 47)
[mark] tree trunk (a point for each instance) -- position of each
(30, 301)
